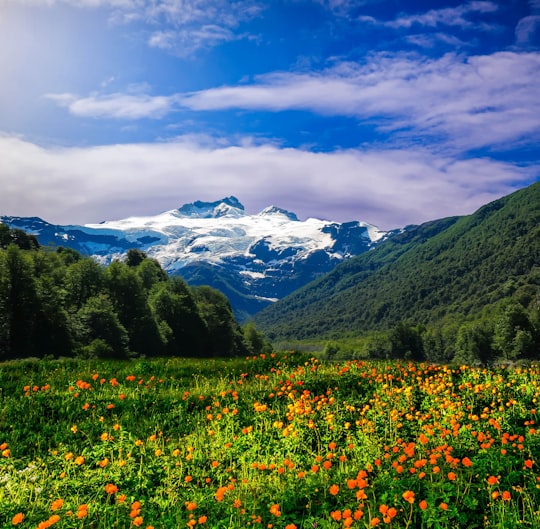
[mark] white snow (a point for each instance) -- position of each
(188, 238)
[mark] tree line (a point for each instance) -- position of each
(54, 302)
(508, 332)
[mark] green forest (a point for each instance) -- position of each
(463, 288)
(56, 303)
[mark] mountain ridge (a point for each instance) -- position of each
(453, 267)
(253, 259)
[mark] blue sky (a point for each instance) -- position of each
(392, 112)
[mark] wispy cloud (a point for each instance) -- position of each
(474, 101)
(486, 100)
(389, 188)
(179, 26)
(527, 28)
(430, 40)
(344, 8)
(458, 16)
(185, 42)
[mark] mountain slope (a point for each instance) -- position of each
(449, 266)
(253, 259)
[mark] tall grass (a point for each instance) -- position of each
(278, 441)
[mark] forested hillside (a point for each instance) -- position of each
(442, 273)
(54, 302)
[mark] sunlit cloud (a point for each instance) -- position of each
(178, 26)
(389, 188)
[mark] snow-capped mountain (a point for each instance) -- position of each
(253, 259)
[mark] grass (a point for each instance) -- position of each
(278, 441)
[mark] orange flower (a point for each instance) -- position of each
(443, 506)
(82, 512)
(57, 504)
(506, 496)
(492, 480)
(374, 522)
(202, 519)
(17, 519)
(408, 495)
(79, 460)
(334, 490)
(423, 505)
(220, 493)
(351, 483)
(336, 515)
(290, 526)
(275, 510)
(528, 463)
(138, 521)
(111, 489)
(358, 514)
(361, 495)
(452, 476)
(466, 462)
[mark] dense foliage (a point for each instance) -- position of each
(454, 276)
(271, 441)
(58, 303)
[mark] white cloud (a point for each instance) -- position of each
(115, 106)
(473, 102)
(486, 100)
(389, 188)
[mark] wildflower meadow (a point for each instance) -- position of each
(278, 441)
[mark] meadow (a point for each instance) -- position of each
(278, 441)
